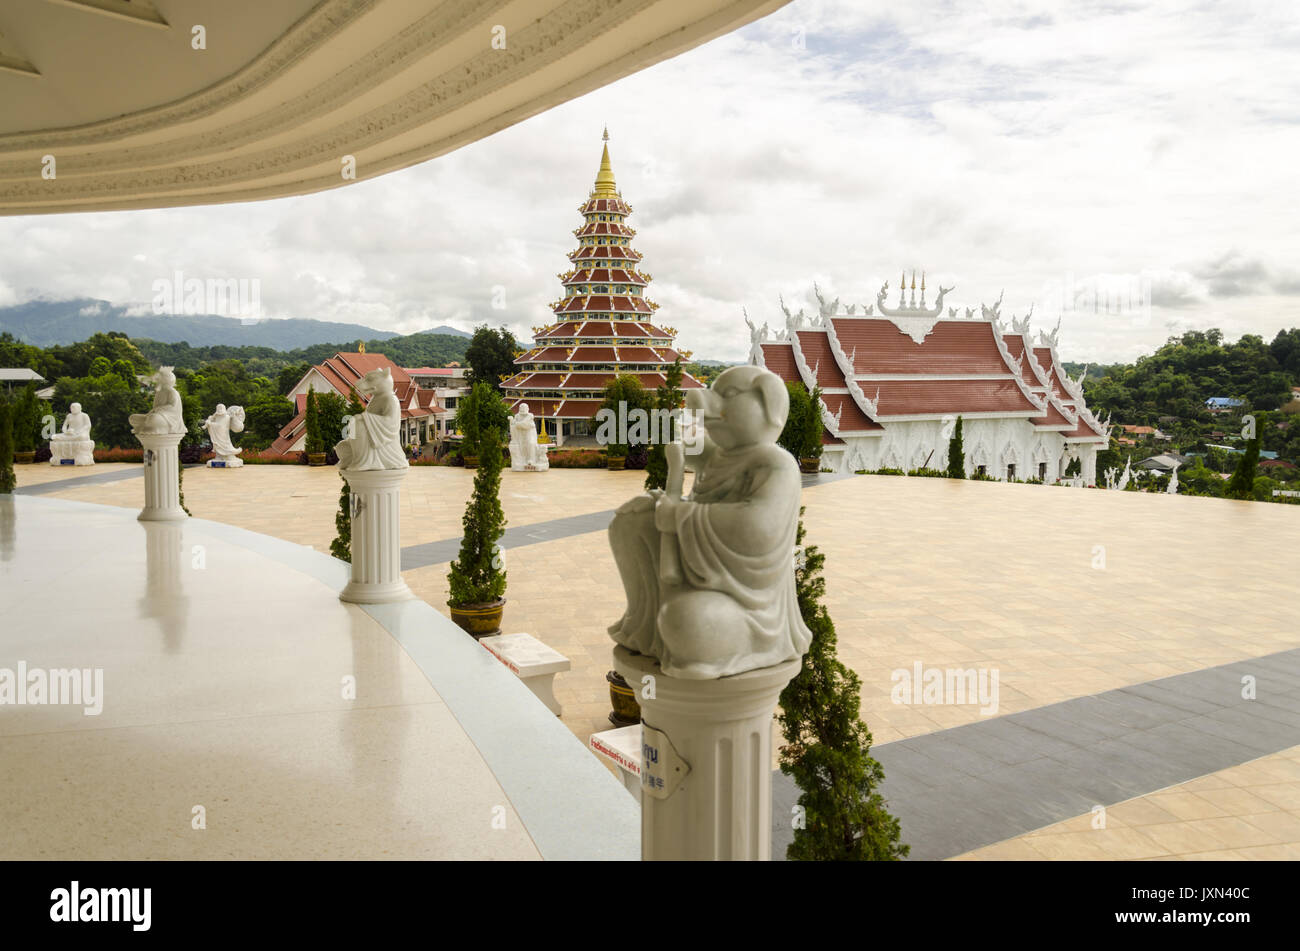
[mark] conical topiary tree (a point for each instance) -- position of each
(827, 747)
(315, 440)
(341, 547)
(1242, 483)
(8, 481)
(956, 454)
(477, 576)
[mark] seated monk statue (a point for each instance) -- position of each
(76, 425)
(375, 439)
(165, 417)
(710, 578)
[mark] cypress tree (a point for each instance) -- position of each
(8, 481)
(1242, 483)
(476, 576)
(956, 454)
(341, 547)
(315, 442)
(827, 747)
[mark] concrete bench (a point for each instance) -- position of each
(621, 748)
(531, 661)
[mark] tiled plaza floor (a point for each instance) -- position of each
(1062, 592)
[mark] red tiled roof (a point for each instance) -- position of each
(876, 345)
(928, 397)
(638, 355)
(1082, 431)
(851, 417)
(1053, 417)
(1044, 357)
(816, 347)
(590, 354)
(1016, 346)
(540, 380)
(595, 328)
(779, 358)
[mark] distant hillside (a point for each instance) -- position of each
(448, 331)
(46, 323)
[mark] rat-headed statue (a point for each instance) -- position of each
(710, 578)
(374, 439)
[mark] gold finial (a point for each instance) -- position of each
(913, 280)
(922, 280)
(605, 187)
(605, 137)
(361, 346)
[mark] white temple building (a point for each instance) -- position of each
(894, 379)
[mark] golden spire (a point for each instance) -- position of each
(605, 187)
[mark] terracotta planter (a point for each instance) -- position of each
(316, 458)
(479, 620)
(471, 462)
(25, 458)
(615, 463)
(626, 710)
(810, 464)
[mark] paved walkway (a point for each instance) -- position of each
(961, 789)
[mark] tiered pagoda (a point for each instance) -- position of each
(603, 323)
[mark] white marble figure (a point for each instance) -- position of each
(375, 440)
(220, 425)
(165, 417)
(1126, 475)
(1172, 487)
(74, 443)
(1110, 478)
(525, 454)
(709, 579)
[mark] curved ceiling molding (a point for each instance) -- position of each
(267, 100)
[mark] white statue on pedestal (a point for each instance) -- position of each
(165, 417)
(220, 425)
(709, 579)
(374, 438)
(525, 454)
(73, 446)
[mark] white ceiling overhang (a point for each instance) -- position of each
(135, 117)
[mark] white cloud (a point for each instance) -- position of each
(997, 146)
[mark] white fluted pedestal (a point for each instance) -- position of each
(162, 480)
(376, 538)
(706, 761)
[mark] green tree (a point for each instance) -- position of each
(491, 355)
(1242, 483)
(341, 546)
(827, 749)
(264, 419)
(624, 394)
(956, 454)
(668, 399)
(315, 441)
(477, 576)
(802, 434)
(26, 420)
(8, 481)
(481, 411)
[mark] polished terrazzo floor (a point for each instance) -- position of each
(1065, 593)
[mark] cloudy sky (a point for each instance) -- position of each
(1127, 167)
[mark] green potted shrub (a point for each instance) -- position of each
(315, 440)
(623, 395)
(480, 410)
(477, 579)
(26, 423)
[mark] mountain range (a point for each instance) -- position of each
(45, 323)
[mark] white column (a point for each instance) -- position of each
(1088, 466)
(376, 537)
(162, 486)
(717, 734)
